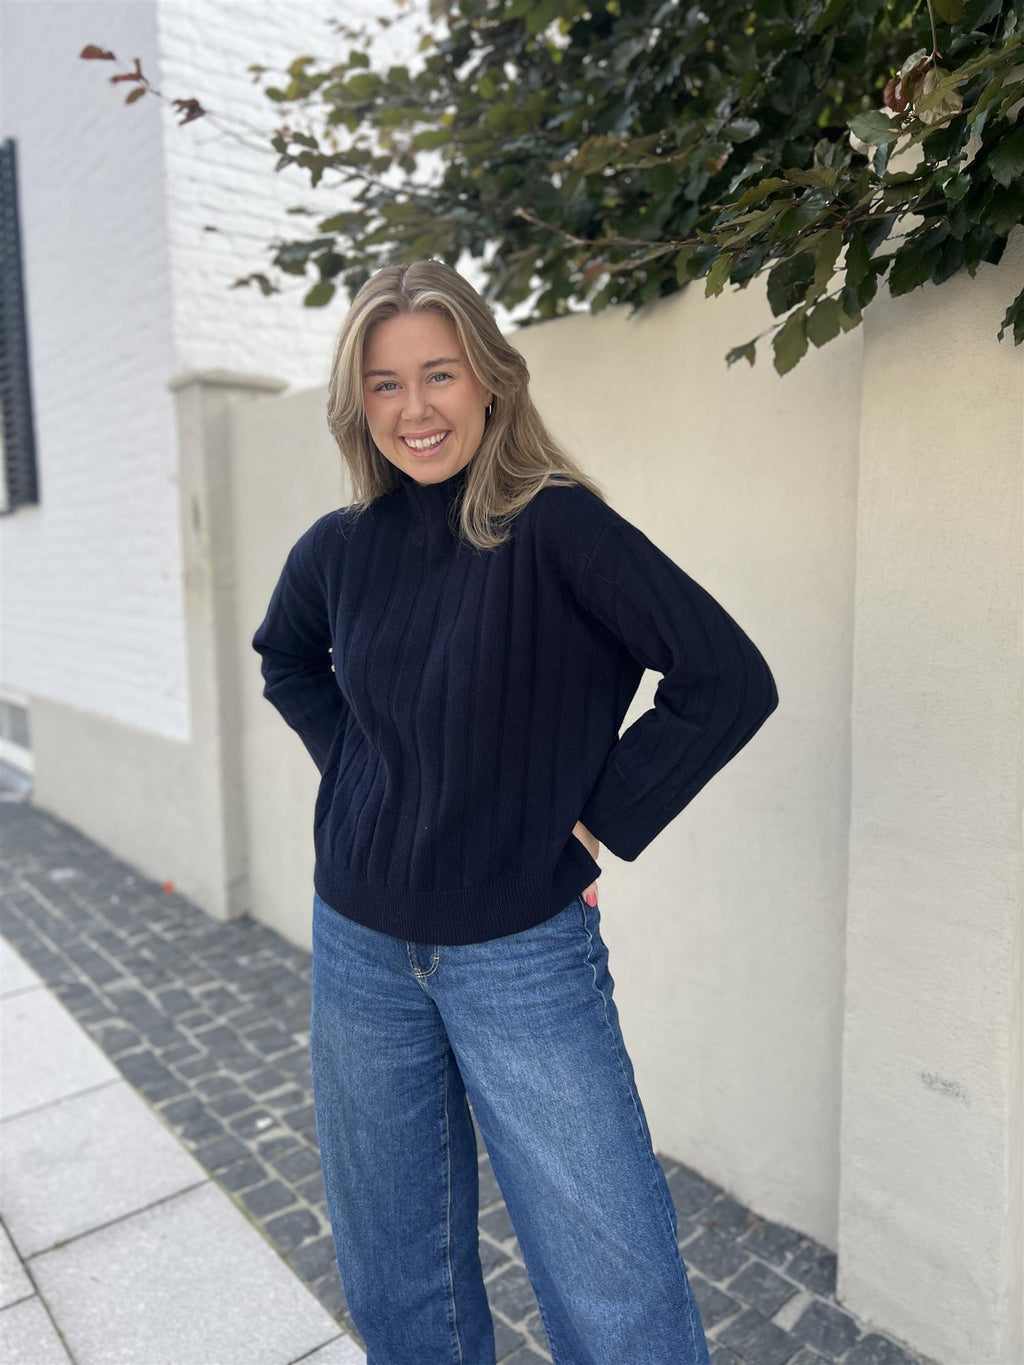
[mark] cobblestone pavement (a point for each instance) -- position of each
(209, 1022)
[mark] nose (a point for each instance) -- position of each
(415, 404)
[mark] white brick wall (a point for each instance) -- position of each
(124, 290)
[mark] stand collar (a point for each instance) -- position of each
(429, 505)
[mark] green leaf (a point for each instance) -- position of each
(790, 342)
(788, 281)
(874, 128)
(824, 322)
(321, 294)
(717, 275)
(825, 256)
(431, 138)
(912, 266)
(1005, 209)
(1006, 160)
(858, 259)
(363, 84)
(761, 190)
(949, 11)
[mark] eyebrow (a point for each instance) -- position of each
(427, 365)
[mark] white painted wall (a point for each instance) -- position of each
(124, 290)
(932, 1067)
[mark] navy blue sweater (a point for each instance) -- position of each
(471, 714)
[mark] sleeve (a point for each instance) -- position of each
(294, 640)
(715, 693)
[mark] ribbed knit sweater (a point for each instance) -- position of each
(471, 712)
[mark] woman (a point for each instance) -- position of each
(490, 618)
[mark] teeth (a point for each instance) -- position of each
(425, 445)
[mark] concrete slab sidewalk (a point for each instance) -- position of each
(117, 1246)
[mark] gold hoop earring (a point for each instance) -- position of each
(487, 409)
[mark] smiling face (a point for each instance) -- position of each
(417, 383)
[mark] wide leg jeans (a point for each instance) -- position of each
(525, 1028)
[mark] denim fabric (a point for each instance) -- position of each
(525, 1027)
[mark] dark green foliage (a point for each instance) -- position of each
(615, 152)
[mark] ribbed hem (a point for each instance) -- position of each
(454, 916)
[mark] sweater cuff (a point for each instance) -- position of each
(626, 832)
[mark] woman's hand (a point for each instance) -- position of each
(593, 847)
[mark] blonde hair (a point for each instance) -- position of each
(517, 455)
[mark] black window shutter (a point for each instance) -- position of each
(19, 442)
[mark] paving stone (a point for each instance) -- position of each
(717, 1256)
(211, 1086)
(690, 1191)
(507, 1339)
(216, 1000)
(203, 1128)
(312, 1190)
(219, 1040)
(761, 1288)
(725, 1215)
(241, 1064)
(511, 1293)
(524, 1356)
(134, 1006)
(270, 1148)
(295, 1064)
(197, 1067)
(232, 1101)
(115, 1037)
(492, 1256)
(756, 1339)
(497, 1223)
(220, 1152)
(490, 1190)
(178, 1052)
(252, 1124)
(180, 1110)
(301, 1119)
(826, 1328)
(772, 1241)
(714, 1303)
(534, 1326)
(268, 1198)
(721, 1355)
(264, 1081)
(297, 1164)
(815, 1267)
(287, 1102)
(685, 1228)
(146, 1073)
(805, 1356)
(315, 1259)
(874, 1349)
(289, 1230)
(269, 1040)
(243, 1174)
(175, 1000)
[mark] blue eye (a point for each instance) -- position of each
(438, 374)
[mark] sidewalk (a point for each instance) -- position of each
(160, 1180)
(118, 1244)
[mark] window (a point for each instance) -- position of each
(18, 481)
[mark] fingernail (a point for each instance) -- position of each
(591, 898)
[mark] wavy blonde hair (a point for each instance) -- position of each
(517, 455)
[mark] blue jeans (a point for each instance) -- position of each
(524, 1028)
